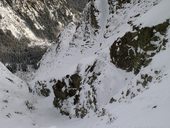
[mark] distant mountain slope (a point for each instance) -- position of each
(41, 18)
(29, 27)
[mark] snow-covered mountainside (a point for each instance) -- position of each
(28, 28)
(110, 70)
(14, 96)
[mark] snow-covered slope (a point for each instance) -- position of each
(14, 95)
(86, 52)
(82, 77)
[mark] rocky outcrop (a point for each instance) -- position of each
(75, 95)
(66, 88)
(136, 49)
(116, 4)
(41, 89)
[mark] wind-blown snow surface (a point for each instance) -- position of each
(149, 109)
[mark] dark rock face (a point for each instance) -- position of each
(145, 79)
(120, 2)
(78, 4)
(74, 82)
(114, 5)
(136, 49)
(63, 91)
(93, 12)
(76, 92)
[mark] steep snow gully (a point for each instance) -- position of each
(109, 70)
